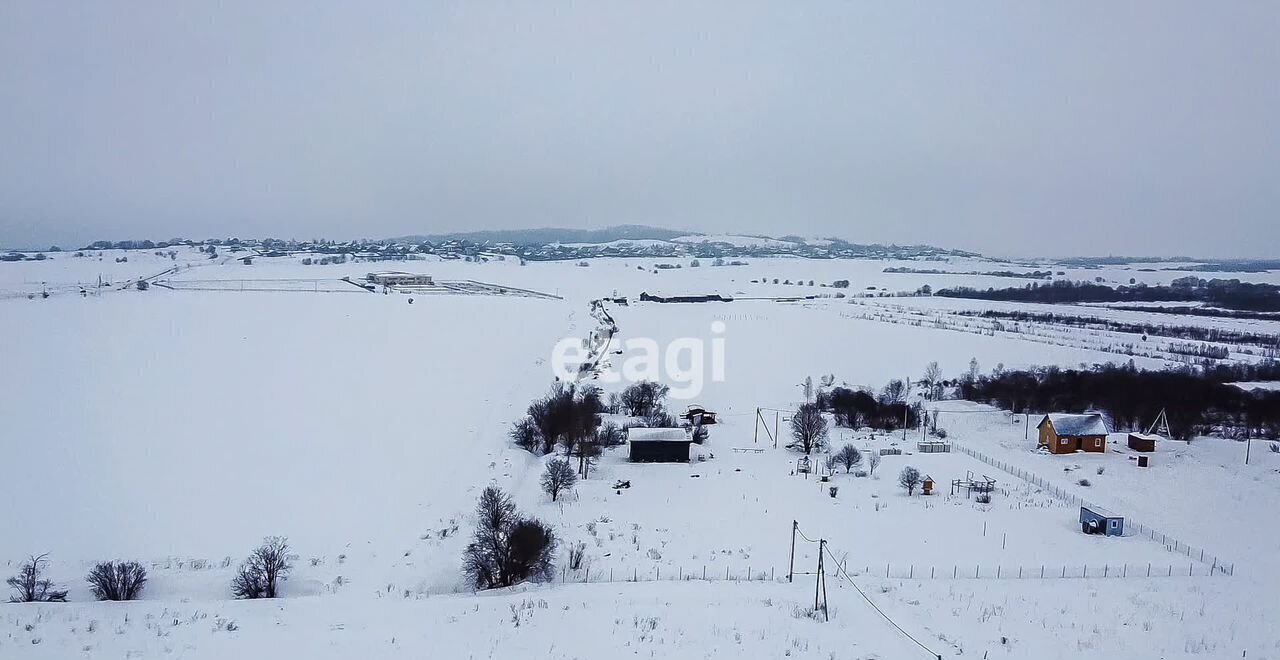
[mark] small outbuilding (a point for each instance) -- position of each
(399, 278)
(698, 415)
(1143, 441)
(1064, 434)
(1094, 520)
(662, 445)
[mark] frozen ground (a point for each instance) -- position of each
(179, 427)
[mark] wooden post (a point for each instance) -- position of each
(791, 565)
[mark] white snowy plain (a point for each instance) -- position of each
(180, 427)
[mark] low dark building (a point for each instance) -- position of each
(1143, 441)
(713, 297)
(1094, 520)
(658, 445)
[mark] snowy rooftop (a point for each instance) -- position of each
(1105, 513)
(1087, 424)
(638, 434)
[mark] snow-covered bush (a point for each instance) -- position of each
(1084, 482)
(117, 580)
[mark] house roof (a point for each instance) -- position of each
(1086, 424)
(1101, 511)
(640, 434)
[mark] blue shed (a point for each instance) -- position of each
(1094, 520)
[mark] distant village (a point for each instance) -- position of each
(403, 250)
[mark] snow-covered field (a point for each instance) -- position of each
(179, 427)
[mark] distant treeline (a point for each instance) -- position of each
(1201, 311)
(1170, 331)
(1033, 275)
(1196, 402)
(1231, 294)
(859, 408)
(1242, 266)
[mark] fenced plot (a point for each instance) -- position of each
(1134, 528)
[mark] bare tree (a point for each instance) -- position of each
(558, 477)
(932, 381)
(117, 580)
(525, 434)
(643, 398)
(506, 548)
(31, 586)
(873, 462)
(893, 392)
(849, 457)
(909, 478)
(808, 428)
(260, 575)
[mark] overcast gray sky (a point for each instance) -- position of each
(1011, 128)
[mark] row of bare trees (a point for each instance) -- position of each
(109, 580)
(258, 577)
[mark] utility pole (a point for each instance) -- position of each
(791, 565)
(776, 415)
(905, 395)
(755, 434)
(1248, 444)
(820, 585)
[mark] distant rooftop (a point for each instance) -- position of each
(639, 434)
(1086, 424)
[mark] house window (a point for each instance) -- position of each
(1062, 441)
(1114, 524)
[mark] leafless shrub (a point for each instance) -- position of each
(30, 585)
(577, 552)
(260, 575)
(507, 549)
(525, 435)
(117, 580)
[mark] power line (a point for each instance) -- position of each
(841, 572)
(825, 547)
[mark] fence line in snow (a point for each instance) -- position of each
(909, 571)
(1132, 527)
(702, 573)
